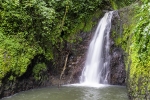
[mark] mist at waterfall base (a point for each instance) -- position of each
(96, 70)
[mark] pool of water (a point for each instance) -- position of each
(73, 93)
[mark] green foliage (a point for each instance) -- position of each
(140, 48)
(15, 55)
(140, 51)
(78, 17)
(32, 27)
(113, 4)
(38, 68)
(136, 42)
(117, 4)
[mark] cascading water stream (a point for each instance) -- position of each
(96, 69)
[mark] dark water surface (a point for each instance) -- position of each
(72, 93)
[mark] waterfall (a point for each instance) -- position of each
(96, 69)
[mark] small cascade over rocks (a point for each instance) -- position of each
(96, 69)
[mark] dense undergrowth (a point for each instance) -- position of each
(135, 41)
(140, 55)
(39, 27)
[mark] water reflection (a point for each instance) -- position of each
(73, 93)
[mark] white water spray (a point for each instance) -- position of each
(96, 69)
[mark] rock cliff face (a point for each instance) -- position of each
(117, 66)
(76, 58)
(11, 87)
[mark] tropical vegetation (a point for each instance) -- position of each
(37, 28)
